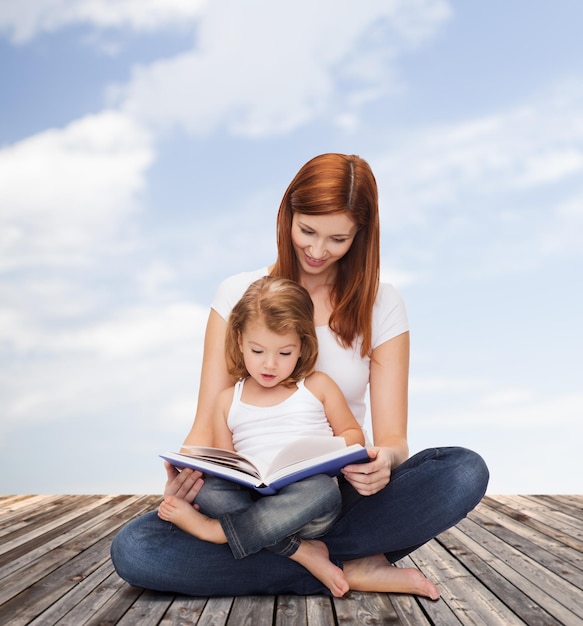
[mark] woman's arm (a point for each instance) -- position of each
(213, 379)
(223, 437)
(337, 411)
(389, 388)
(389, 396)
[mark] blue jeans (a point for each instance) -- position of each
(427, 494)
(302, 510)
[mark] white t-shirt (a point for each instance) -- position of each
(345, 366)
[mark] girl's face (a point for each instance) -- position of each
(270, 358)
(321, 240)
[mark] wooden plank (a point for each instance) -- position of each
(16, 510)
(515, 560)
(290, 611)
(319, 610)
(493, 577)
(112, 611)
(467, 597)
(570, 505)
(434, 612)
(252, 611)
(148, 609)
(50, 525)
(358, 608)
(29, 554)
(38, 561)
(184, 611)
(548, 552)
(216, 612)
(75, 606)
(548, 523)
(525, 575)
(49, 578)
(40, 595)
(410, 612)
(32, 518)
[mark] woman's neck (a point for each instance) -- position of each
(317, 282)
(320, 288)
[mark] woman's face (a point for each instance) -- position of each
(320, 240)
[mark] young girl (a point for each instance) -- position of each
(271, 347)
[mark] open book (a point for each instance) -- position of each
(302, 458)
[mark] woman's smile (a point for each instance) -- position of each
(314, 262)
(321, 240)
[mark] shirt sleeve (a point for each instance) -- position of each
(229, 292)
(389, 316)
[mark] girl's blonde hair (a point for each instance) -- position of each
(282, 305)
(328, 184)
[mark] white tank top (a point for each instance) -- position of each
(262, 431)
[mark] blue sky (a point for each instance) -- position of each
(144, 149)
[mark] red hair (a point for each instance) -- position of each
(328, 184)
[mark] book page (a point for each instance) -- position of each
(304, 449)
(226, 458)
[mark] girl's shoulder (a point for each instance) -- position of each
(319, 383)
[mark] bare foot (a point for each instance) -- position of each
(375, 573)
(191, 521)
(314, 556)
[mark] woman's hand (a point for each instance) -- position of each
(370, 478)
(184, 484)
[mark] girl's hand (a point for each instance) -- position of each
(370, 478)
(184, 484)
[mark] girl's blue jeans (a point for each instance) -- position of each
(427, 494)
(302, 510)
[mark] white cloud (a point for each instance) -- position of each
(264, 68)
(497, 195)
(26, 19)
(130, 333)
(564, 233)
(526, 148)
(64, 190)
(398, 278)
(445, 385)
(515, 410)
(141, 360)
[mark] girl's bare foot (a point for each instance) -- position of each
(191, 521)
(375, 573)
(314, 556)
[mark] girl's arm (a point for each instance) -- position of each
(213, 379)
(389, 377)
(337, 411)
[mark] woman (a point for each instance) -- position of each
(328, 241)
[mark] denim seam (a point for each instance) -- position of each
(232, 539)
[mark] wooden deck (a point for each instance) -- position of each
(515, 560)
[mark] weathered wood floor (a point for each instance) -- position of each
(515, 560)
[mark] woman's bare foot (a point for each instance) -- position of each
(314, 556)
(191, 521)
(375, 573)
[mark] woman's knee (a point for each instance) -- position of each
(471, 475)
(124, 551)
